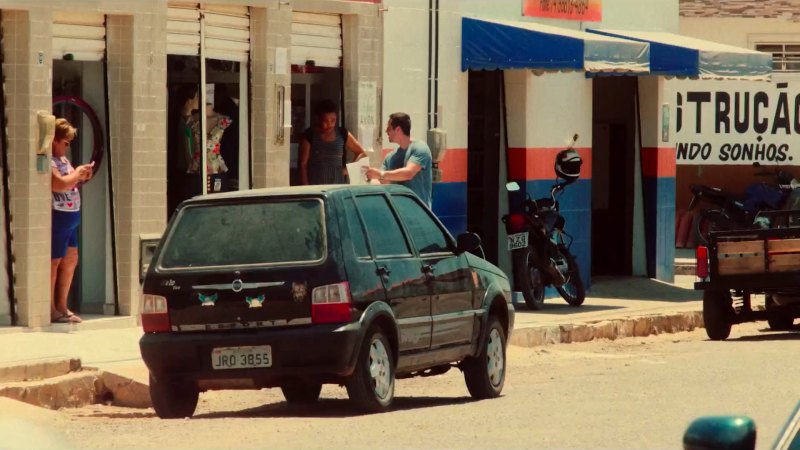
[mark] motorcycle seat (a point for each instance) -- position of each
(715, 192)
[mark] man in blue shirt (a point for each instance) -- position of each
(409, 164)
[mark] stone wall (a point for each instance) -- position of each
(774, 9)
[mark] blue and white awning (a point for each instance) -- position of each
(499, 44)
(681, 56)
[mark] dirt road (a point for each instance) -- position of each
(631, 393)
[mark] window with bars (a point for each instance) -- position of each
(785, 57)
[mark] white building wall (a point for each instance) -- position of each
(406, 58)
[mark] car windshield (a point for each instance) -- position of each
(244, 234)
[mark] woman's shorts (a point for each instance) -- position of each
(65, 232)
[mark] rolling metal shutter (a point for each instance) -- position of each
(225, 30)
(82, 35)
(316, 37)
(183, 29)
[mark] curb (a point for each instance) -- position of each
(607, 329)
(39, 370)
(74, 389)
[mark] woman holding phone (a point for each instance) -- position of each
(66, 218)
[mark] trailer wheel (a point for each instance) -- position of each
(776, 320)
(718, 314)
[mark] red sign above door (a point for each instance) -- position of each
(583, 10)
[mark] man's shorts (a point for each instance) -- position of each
(65, 232)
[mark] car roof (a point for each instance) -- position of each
(301, 191)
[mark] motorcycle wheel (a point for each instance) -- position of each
(528, 278)
(712, 220)
(573, 290)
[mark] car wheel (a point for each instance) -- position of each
(301, 392)
(775, 319)
(718, 314)
(486, 373)
(172, 400)
(371, 386)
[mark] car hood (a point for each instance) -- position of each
(479, 263)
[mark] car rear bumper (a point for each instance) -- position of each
(322, 352)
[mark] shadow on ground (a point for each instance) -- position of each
(640, 288)
(556, 306)
(769, 335)
(331, 408)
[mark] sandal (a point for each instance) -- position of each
(62, 318)
(69, 317)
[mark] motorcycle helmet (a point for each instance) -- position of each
(568, 165)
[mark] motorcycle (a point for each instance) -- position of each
(741, 211)
(536, 238)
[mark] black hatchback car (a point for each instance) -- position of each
(297, 287)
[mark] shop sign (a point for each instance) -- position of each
(736, 122)
(583, 10)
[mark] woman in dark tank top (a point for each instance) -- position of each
(322, 148)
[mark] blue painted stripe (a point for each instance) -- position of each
(660, 227)
(449, 199)
(450, 206)
(454, 224)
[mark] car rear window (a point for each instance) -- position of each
(251, 233)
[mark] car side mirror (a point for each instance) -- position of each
(467, 242)
(728, 432)
(512, 186)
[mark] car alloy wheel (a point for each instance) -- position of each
(495, 359)
(380, 369)
(371, 386)
(485, 373)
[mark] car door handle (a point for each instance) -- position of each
(427, 268)
(383, 271)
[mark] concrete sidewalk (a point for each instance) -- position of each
(615, 308)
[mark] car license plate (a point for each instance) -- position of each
(241, 357)
(517, 241)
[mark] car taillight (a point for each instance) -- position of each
(155, 314)
(516, 223)
(701, 265)
(331, 303)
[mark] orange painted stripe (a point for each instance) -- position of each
(453, 167)
(537, 163)
(658, 162)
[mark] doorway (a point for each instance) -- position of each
(614, 144)
(483, 158)
(80, 96)
(310, 85)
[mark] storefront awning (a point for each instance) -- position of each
(498, 44)
(681, 56)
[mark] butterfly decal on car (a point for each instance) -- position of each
(207, 300)
(255, 302)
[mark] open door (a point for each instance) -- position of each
(613, 162)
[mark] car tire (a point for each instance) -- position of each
(485, 374)
(775, 320)
(301, 392)
(718, 314)
(172, 400)
(371, 386)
